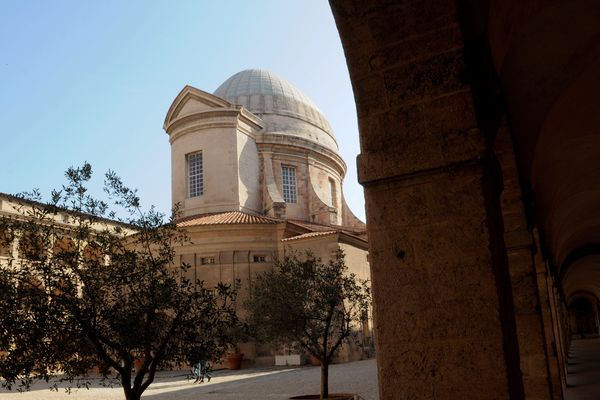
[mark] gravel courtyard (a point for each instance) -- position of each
(248, 384)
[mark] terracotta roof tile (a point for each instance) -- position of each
(224, 218)
(310, 235)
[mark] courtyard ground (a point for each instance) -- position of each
(247, 384)
(584, 370)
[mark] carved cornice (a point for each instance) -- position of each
(187, 93)
(278, 143)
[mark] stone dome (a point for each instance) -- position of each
(283, 107)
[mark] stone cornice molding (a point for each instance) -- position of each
(190, 92)
(274, 142)
(248, 118)
(219, 118)
(217, 108)
(301, 118)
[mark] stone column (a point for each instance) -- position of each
(538, 362)
(560, 345)
(444, 317)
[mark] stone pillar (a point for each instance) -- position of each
(538, 361)
(560, 345)
(553, 343)
(444, 318)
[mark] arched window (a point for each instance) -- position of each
(92, 255)
(64, 251)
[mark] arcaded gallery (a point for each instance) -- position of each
(480, 159)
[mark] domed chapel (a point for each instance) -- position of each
(256, 173)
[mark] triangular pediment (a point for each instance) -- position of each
(190, 101)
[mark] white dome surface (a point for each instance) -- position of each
(282, 106)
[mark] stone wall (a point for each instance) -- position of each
(444, 312)
(479, 154)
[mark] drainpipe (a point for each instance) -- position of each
(233, 275)
(220, 267)
(249, 275)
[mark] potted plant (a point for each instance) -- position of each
(237, 334)
(234, 359)
(314, 361)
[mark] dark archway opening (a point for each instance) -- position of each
(583, 317)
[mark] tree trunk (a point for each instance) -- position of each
(324, 378)
(132, 395)
(130, 392)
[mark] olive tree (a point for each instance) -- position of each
(312, 304)
(84, 291)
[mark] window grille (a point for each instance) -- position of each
(288, 177)
(195, 174)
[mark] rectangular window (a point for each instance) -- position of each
(288, 178)
(5, 246)
(195, 174)
(260, 259)
(207, 260)
(332, 192)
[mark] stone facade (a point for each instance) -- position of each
(249, 132)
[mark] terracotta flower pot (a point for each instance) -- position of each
(137, 363)
(234, 360)
(332, 396)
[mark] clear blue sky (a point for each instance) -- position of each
(93, 80)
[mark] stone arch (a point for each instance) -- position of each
(476, 190)
(64, 251)
(6, 244)
(583, 314)
(32, 245)
(92, 255)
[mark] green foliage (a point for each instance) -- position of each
(305, 302)
(88, 291)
